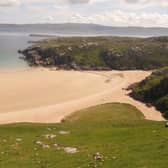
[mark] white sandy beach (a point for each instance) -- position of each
(46, 96)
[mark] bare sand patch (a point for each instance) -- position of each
(42, 95)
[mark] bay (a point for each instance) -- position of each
(10, 43)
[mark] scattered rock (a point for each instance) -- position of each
(70, 150)
(18, 139)
(49, 136)
(64, 132)
(39, 143)
(70, 48)
(55, 145)
(97, 156)
(52, 136)
(45, 146)
(59, 148)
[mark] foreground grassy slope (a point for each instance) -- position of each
(100, 53)
(118, 131)
(154, 90)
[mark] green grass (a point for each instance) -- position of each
(118, 131)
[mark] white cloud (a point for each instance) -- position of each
(7, 3)
(75, 1)
(62, 11)
(140, 3)
(145, 3)
(121, 18)
(59, 2)
(113, 18)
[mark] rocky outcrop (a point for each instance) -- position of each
(52, 57)
(153, 91)
(99, 53)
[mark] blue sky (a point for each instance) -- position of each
(147, 13)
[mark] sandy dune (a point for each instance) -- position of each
(41, 95)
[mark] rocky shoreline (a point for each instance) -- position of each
(98, 53)
(35, 57)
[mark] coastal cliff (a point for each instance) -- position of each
(153, 90)
(99, 53)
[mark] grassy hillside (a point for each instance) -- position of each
(154, 90)
(117, 131)
(99, 53)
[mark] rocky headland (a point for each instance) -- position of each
(99, 53)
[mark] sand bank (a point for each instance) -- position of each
(43, 95)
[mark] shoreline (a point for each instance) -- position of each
(14, 69)
(43, 95)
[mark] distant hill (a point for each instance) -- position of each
(82, 29)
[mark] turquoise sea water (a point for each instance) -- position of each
(9, 46)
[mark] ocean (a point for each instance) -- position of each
(10, 43)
